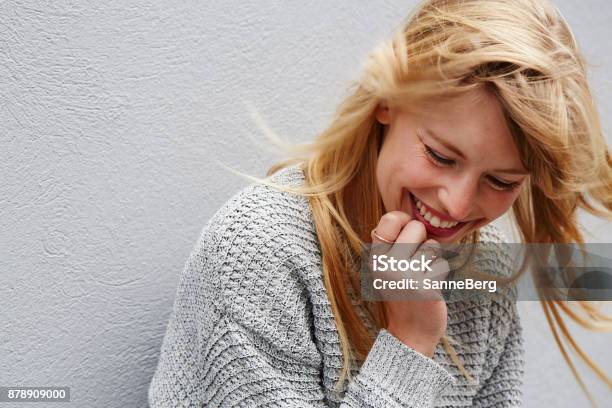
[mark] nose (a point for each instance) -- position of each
(458, 197)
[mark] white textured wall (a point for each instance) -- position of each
(113, 115)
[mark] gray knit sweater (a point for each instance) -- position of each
(252, 325)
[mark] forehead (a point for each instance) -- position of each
(474, 122)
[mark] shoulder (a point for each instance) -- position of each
(260, 218)
(253, 260)
(264, 210)
(261, 228)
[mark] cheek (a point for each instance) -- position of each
(402, 164)
(410, 173)
(498, 203)
(393, 163)
(408, 167)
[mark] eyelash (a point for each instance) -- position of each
(432, 154)
(441, 161)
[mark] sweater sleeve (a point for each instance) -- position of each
(237, 368)
(241, 331)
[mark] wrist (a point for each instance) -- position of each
(425, 345)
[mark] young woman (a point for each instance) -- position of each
(472, 109)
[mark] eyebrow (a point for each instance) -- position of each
(460, 154)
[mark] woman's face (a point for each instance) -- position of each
(451, 164)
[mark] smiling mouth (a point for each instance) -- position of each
(434, 224)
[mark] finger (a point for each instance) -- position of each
(431, 249)
(389, 226)
(411, 237)
(414, 233)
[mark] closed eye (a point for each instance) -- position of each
(494, 182)
(438, 158)
(502, 185)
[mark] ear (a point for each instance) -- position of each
(382, 114)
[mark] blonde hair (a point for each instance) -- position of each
(524, 52)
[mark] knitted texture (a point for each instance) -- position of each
(252, 325)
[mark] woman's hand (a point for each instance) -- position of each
(417, 323)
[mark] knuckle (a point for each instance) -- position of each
(393, 217)
(417, 227)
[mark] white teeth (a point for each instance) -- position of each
(433, 220)
(421, 208)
